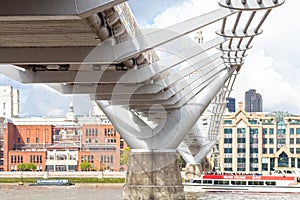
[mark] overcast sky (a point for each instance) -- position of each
(271, 66)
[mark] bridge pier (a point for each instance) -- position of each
(153, 175)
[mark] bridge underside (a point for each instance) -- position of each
(96, 48)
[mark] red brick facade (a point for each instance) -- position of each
(99, 145)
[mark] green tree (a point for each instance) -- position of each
(85, 166)
(125, 156)
(26, 167)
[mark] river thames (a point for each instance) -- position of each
(114, 192)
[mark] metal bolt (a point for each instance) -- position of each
(259, 1)
(275, 1)
(244, 1)
(228, 2)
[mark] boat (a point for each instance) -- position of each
(286, 181)
(54, 182)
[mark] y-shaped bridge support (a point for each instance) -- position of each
(153, 169)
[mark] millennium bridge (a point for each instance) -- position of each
(158, 104)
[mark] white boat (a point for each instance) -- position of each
(287, 181)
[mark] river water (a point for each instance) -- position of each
(114, 192)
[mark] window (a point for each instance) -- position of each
(297, 140)
(253, 130)
(297, 130)
(28, 140)
(292, 162)
(265, 150)
(241, 140)
(227, 121)
(292, 140)
(252, 121)
(253, 160)
(265, 131)
(271, 140)
(241, 150)
(227, 150)
(241, 160)
(37, 140)
(254, 150)
(241, 130)
(227, 160)
(227, 140)
(19, 140)
(227, 130)
(292, 150)
(271, 131)
(283, 160)
(297, 150)
(292, 131)
(265, 141)
(271, 151)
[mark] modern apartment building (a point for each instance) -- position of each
(230, 105)
(253, 101)
(259, 142)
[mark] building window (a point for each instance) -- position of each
(19, 140)
(254, 150)
(241, 150)
(291, 140)
(96, 132)
(227, 160)
(292, 131)
(227, 140)
(253, 160)
(241, 160)
(271, 151)
(297, 150)
(252, 121)
(28, 140)
(265, 141)
(265, 131)
(283, 160)
(292, 150)
(87, 132)
(37, 140)
(271, 131)
(297, 140)
(265, 150)
(292, 162)
(253, 130)
(241, 140)
(271, 140)
(297, 130)
(227, 121)
(241, 130)
(227, 150)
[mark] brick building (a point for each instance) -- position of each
(60, 144)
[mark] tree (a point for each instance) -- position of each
(26, 167)
(125, 156)
(85, 166)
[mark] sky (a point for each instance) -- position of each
(271, 66)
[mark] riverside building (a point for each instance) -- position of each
(259, 142)
(61, 144)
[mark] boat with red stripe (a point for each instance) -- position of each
(287, 181)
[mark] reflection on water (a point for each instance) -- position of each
(113, 192)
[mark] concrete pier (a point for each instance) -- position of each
(153, 175)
